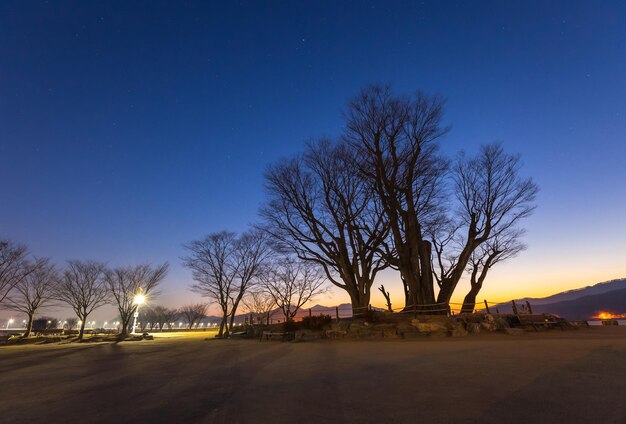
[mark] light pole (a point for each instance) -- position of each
(139, 300)
(10, 321)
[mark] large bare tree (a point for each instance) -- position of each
(35, 291)
(14, 266)
(84, 289)
(396, 138)
(225, 266)
(321, 209)
(492, 199)
(126, 283)
(292, 283)
(193, 313)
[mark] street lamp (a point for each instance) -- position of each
(139, 300)
(10, 321)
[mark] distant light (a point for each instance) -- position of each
(139, 299)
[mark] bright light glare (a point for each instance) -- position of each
(139, 299)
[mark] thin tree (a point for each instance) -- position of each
(323, 211)
(501, 247)
(193, 313)
(71, 323)
(164, 316)
(396, 138)
(387, 297)
(84, 289)
(292, 283)
(35, 291)
(225, 267)
(260, 304)
(492, 198)
(125, 284)
(14, 266)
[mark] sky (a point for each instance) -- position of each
(130, 128)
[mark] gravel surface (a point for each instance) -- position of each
(553, 377)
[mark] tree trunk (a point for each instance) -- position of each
(29, 326)
(469, 303)
(124, 331)
(82, 328)
(360, 302)
(223, 326)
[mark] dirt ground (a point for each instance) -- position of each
(556, 377)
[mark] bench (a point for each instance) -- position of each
(272, 335)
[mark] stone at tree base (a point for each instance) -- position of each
(458, 331)
(307, 335)
(473, 327)
(435, 329)
(489, 323)
(335, 334)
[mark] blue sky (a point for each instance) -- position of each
(129, 128)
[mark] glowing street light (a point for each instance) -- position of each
(10, 321)
(138, 300)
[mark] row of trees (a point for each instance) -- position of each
(234, 270)
(30, 284)
(379, 196)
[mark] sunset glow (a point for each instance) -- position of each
(609, 315)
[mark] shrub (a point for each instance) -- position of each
(290, 325)
(318, 322)
(41, 324)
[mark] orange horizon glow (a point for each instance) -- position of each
(609, 315)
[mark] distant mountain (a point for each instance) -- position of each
(599, 288)
(585, 307)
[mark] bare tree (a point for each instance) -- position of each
(493, 199)
(193, 313)
(36, 290)
(14, 266)
(165, 316)
(225, 267)
(321, 209)
(71, 323)
(502, 246)
(148, 318)
(259, 303)
(396, 138)
(292, 283)
(387, 297)
(83, 288)
(126, 283)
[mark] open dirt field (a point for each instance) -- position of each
(556, 377)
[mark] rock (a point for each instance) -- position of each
(488, 323)
(473, 327)
(336, 334)
(307, 335)
(429, 327)
(458, 330)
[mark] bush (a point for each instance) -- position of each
(291, 326)
(41, 324)
(318, 322)
(373, 316)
